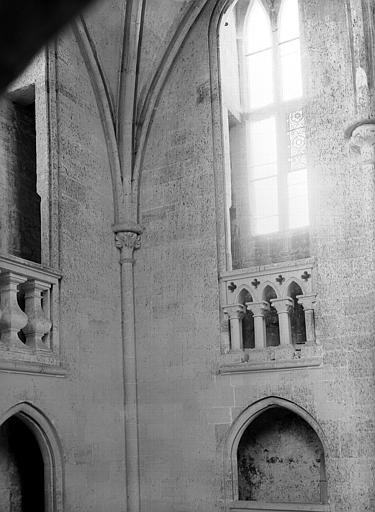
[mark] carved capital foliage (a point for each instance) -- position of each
(128, 240)
(283, 306)
(258, 308)
(307, 301)
(234, 311)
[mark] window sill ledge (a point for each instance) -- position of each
(255, 506)
(29, 362)
(273, 358)
(33, 269)
(31, 367)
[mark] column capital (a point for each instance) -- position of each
(234, 311)
(127, 242)
(258, 308)
(282, 305)
(307, 301)
(362, 139)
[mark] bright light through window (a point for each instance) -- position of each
(266, 218)
(291, 76)
(289, 21)
(260, 66)
(277, 174)
(259, 55)
(263, 143)
(297, 199)
(259, 34)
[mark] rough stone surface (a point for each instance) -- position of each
(279, 460)
(186, 409)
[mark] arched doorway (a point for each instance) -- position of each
(30, 462)
(21, 469)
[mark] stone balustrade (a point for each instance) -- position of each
(260, 291)
(28, 312)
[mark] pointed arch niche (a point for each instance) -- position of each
(274, 460)
(31, 462)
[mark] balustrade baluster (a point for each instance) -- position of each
(13, 319)
(38, 323)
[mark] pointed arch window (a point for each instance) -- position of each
(264, 137)
(272, 96)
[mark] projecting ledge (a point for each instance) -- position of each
(34, 368)
(254, 506)
(275, 358)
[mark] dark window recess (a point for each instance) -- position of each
(22, 470)
(297, 318)
(271, 319)
(248, 335)
(24, 222)
(281, 459)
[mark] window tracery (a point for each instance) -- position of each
(266, 145)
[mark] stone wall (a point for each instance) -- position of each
(186, 408)
(84, 404)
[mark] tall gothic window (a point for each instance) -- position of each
(266, 130)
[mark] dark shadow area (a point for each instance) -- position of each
(21, 469)
(281, 460)
(272, 319)
(248, 335)
(297, 317)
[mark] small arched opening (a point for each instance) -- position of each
(274, 459)
(271, 319)
(297, 317)
(280, 460)
(31, 476)
(248, 336)
(21, 469)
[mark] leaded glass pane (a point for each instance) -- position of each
(258, 29)
(260, 79)
(296, 140)
(263, 142)
(296, 120)
(265, 206)
(263, 171)
(266, 225)
(291, 72)
(298, 199)
(288, 21)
